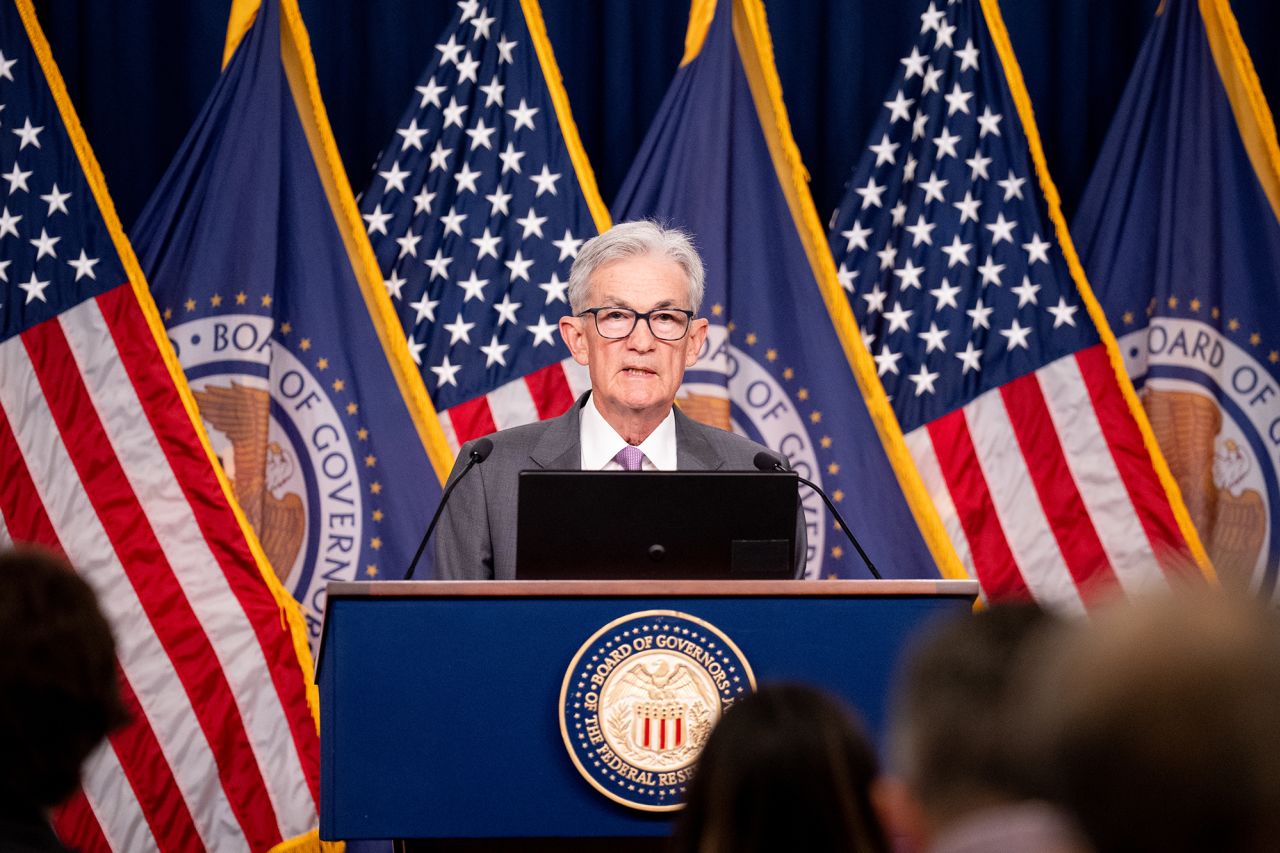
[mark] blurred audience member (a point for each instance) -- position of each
(960, 782)
(1159, 726)
(785, 769)
(58, 692)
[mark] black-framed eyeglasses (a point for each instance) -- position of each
(665, 324)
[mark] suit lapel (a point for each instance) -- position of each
(560, 446)
(693, 451)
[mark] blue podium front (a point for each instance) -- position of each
(457, 709)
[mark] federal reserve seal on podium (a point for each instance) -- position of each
(640, 699)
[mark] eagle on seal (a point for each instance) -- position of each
(258, 469)
(1209, 470)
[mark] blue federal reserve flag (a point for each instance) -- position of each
(782, 362)
(270, 293)
(1179, 231)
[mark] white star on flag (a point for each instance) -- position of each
(34, 288)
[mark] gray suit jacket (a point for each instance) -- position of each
(476, 538)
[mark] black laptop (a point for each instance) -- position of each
(656, 525)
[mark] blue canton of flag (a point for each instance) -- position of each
(952, 257)
(1179, 228)
(66, 254)
(720, 162)
(478, 207)
(273, 301)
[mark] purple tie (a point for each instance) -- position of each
(630, 458)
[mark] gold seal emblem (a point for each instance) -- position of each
(639, 700)
(258, 468)
(1211, 470)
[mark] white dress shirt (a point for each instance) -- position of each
(601, 442)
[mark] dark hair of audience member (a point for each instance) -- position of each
(1159, 726)
(785, 769)
(950, 743)
(58, 691)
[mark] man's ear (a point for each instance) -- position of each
(574, 333)
(697, 337)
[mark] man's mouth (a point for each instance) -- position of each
(636, 371)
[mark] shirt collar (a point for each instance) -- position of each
(601, 442)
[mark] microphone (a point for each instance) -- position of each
(767, 461)
(479, 452)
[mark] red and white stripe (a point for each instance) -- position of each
(543, 394)
(1047, 490)
(103, 463)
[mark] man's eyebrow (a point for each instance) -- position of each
(612, 302)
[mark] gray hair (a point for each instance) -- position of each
(633, 239)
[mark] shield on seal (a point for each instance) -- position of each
(659, 726)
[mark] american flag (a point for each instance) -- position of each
(478, 206)
(103, 461)
(959, 268)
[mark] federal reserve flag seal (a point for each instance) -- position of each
(1214, 402)
(639, 700)
(319, 448)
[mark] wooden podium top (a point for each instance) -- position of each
(650, 589)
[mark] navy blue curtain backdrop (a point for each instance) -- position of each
(139, 70)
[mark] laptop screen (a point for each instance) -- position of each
(656, 525)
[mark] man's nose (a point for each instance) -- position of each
(641, 337)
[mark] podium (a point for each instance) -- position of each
(442, 702)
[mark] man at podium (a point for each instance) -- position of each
(634, 293)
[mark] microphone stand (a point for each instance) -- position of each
(766, 461)
(479, 452)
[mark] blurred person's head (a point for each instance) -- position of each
(58, 691)
(950, 747)
(785, 769)
(1158, 726)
